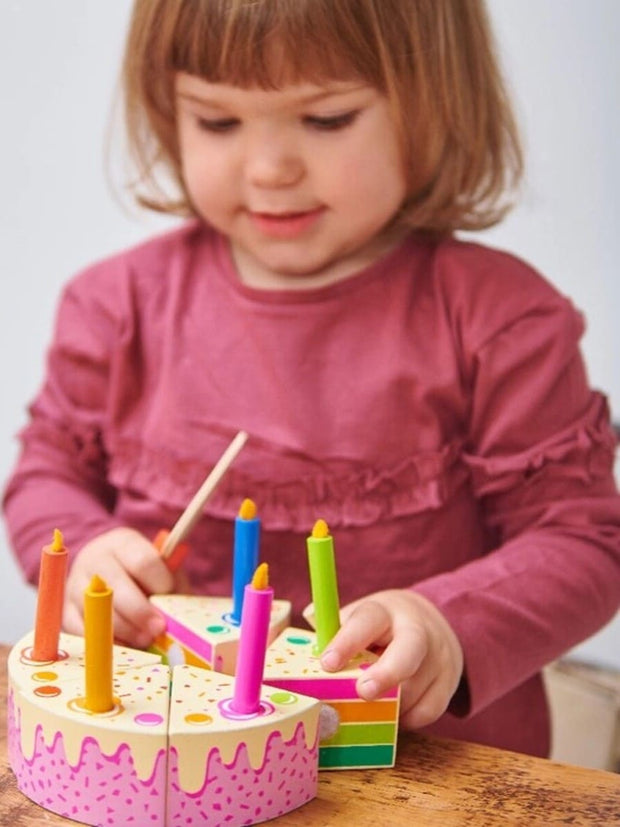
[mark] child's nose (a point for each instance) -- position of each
(273, 161)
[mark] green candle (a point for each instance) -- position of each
(324, 584)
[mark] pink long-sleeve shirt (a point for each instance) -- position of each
(433, 409)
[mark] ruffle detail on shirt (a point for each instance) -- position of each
(341, 492)
(583, 452)
(81, 442)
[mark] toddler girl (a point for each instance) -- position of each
(422, 394)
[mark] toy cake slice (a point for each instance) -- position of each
(227, 768)
(91, 768)
(199, 631)
(359, 733)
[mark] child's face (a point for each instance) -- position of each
(302, 179)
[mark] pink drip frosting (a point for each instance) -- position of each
(101, 790)
(237, 794)
(104, 790)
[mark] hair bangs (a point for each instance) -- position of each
(271, 43)
(434, 60)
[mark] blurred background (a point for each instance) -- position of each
(58, 74)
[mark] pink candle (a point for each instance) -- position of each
(252, 643)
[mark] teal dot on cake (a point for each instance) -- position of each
(298, 640)
(283, 698)
(217, 630)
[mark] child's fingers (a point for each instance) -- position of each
(72, 620)
(142, 561)
(426, 708)
(368, 623)
(135, 631)
(127, 632)
(403, 660)
(120, 564)
(136, 621)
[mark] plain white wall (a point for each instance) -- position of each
(58, 71)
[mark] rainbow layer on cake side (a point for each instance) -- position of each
(199, 631)
(360, 734)
(171, 743)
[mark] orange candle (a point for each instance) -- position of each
(50, 599)
(98, 641)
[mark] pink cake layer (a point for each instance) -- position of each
(330, 689)
(190, 639)
(102, 790)
(237, 794)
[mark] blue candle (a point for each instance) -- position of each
(245, 557)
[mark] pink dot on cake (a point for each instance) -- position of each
(148, 719)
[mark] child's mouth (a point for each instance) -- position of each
(285, 225)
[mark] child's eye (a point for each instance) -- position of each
(218, 125)
(331, 123)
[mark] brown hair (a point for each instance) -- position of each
(434, 59)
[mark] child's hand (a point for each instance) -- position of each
(132, 568)
(421, 652)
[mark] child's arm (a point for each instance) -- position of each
(422, 652)
(540, 452)
(62, 477)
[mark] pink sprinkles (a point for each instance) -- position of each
(105, 790)
(287, 779)
(50, 781)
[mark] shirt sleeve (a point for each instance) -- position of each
(60, 477)
(540, 453)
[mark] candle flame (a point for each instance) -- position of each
(247, 510)
(97, 585)
(58, 542)
(260, 581)
(320, 530)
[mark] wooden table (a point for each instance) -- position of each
(435, 782)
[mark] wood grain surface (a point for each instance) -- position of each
(435, 782)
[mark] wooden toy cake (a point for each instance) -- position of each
(109, 735)
(170, 751)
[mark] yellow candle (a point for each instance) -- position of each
(50, 599)
(99, 638)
